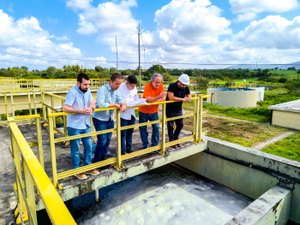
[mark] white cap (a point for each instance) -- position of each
(184, 79)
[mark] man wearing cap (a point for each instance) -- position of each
(180, 93)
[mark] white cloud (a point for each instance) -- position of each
(248, 9)
(271, 32)
(25, 42)
(191, 22)
(182, 27)
(79, 4)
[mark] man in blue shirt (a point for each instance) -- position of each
(79, 101)
(108, 96)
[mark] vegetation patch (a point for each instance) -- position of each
(240, 132)
(288, 147)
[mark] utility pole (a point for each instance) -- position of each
(139, 54)
(117, 59)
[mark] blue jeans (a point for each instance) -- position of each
(126, 135)
(103, 140)
(75, 146)
(145, 117)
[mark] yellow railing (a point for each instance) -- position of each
(27, 95)
(39, 85)
(117, 161)
(29, 175)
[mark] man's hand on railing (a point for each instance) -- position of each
(187, 99)
(87, 111)
(123, 107)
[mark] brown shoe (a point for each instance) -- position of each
(93, 172)
(81, 176)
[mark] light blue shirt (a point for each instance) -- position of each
(106, 96)
(78, 100)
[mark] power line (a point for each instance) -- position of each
(146, 62)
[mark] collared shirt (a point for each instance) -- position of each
(78, 100)
(129, 97)
(106, 96)
(150, 91)
(175, 108)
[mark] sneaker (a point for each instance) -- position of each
(81, 176)
(93, 172)
(128, 151)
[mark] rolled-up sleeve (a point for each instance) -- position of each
(70, 98)
(101, 98)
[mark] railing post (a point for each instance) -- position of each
(196, 115)
(52, 151)
(53, 107)
(12, 103)
(65, 120)
(29, 102)
(43, 106)
(200, 117)
(18, 172)
(163, 150)
(40, 141)
(30, 195)
(118, 120)
(6, 105)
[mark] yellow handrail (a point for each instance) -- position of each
(34, 174)
(196, 137)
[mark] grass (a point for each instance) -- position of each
(257, 114)
(288, 147)
(239, 132)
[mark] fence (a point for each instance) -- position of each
(117, 161)
(30, 174)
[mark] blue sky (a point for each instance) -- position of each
(177, 34)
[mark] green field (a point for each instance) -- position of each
(288, 147)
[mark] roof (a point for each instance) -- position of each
(293, 106)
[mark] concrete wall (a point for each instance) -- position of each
(286, 119)
(247, 171)
(261, 93)
(239, 98)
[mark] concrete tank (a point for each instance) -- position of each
(233, 97)
(261, 93)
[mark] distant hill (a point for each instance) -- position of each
(266, 66)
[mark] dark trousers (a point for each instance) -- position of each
(103, 140)
(126, 135)
(173, 132)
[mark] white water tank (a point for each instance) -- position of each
(233, 97)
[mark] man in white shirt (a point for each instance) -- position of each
(129, 94)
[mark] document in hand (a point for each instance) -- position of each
(135, 102)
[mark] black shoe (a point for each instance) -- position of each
(128, 151)
(178, 145)
(123, 153)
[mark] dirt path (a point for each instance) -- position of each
(263, 144)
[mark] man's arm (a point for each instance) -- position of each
(70, 109)
(92, 105)
(171, 97)
(158, 98)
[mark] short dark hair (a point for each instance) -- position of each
(115, 76)
(132, 79)
(81, 76)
